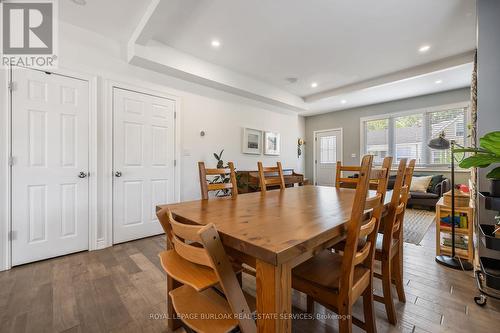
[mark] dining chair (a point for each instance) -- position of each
(228, 183)
(198, 261)
(337, 280)
(276, 180)
(346, 182)
(389, 248)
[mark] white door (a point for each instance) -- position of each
(328, 145)
(143, 162)
(50, 187)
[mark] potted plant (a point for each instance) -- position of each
(222, 178)
(486, 154)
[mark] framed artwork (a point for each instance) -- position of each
(252, 141)
(272, 143)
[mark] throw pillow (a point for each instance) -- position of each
(420, 184)
(434, 181)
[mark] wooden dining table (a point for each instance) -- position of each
(274, 232)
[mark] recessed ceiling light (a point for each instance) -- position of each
(314, 85)
(438, 81)
(424, 48)
(343, 101)
(80, 2)
(215, 43)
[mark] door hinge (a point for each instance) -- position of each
(316, 161)
(175, 163)
(12, 235)
(175, 114)
(11, 161)
(12, 86)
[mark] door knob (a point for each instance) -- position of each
(82, 174)
(118, 174)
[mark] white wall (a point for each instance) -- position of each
(221, 115)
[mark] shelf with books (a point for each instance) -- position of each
(464, 222)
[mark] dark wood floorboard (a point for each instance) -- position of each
(122, 289)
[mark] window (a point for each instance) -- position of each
(406, 135)
(328, 149)
(377, 138)
(448, 122)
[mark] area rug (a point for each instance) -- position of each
(416, 224)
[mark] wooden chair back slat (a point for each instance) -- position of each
(376, 173)
(220, 186)
(213, 172)
(373, 202)
(348, 180)
(206, 187)
(280, 180)
(362, 254)
(191, 253)
(367, 228)
(184, 231)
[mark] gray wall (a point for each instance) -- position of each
(349, 121)
(488, 76)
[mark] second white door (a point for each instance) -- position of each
(143, 162)
(328, 145)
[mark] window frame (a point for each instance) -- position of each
(426, 130)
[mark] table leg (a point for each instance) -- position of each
(274, 297)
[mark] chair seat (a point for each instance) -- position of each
(204, 311)
(323, 271)
(197, 276)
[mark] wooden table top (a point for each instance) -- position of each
(276, 226)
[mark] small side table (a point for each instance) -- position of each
(468, 213)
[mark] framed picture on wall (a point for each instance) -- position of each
(252, 141)
(272, 143)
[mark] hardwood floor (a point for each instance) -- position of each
(123, 289)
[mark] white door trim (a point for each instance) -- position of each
(107, 172)
(314, 148)
(92, 82)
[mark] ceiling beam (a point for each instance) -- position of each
(405, 74)
(145, 30)
(165, 59)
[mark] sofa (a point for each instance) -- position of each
(437, 187)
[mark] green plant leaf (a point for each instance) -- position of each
(491, 142)
(479, 160)
(220, 164)
(494, 174)
(216, 156)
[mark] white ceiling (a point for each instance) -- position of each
(116, 19)
(449, 79)
(332, 42)
(335, 43)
